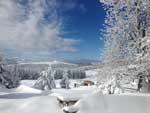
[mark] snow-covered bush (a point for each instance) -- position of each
(65, 81)
(46, 80)
(116, 79)
(112, 86)
(9, 76)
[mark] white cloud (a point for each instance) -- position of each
(23, 27)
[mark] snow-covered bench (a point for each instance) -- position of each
(66, 100)
(71, 96)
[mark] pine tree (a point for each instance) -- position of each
(9, 76)
(65, 81)
(46, 80)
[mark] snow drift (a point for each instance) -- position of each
(26, 89)
(98, 103)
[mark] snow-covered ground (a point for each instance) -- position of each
(39, 104)
(25, 99)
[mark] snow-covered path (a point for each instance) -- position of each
(40, 104)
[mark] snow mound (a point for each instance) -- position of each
(98, 103)
(26, 89)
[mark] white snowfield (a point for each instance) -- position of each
(29, 100)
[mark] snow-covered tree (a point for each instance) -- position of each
(9, 76)
(127, 33)
(46, 80)
(127, 23)
(65, 81)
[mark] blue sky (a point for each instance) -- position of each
(85, 26)
(62, 29)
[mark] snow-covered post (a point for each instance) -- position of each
(51, 79)
(65, 80)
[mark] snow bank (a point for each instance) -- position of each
(98, 103)
(41, 104)
(26, 89)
